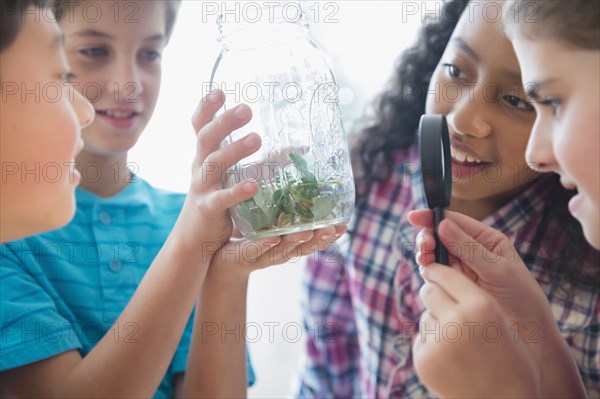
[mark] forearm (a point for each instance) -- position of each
(559, 374)
(132, 360)
(217, 358)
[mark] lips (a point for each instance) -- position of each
(465, 163)
(119, 118)
(567, 184)
(118, 114)
(575, 202)
(465, 156)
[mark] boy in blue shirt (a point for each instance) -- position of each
(102, 307)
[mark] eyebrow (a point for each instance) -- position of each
(96, 33)
(460, 43)
(532, 88)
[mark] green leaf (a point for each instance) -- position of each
(264, 199)
(254, 215)
(277, 194)
(305, 191)
(306, 216)
(302, 166)
(324, 205)
(290, 200)
(284, 219)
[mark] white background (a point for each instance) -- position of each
(362, 40)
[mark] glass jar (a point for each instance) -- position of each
(303, 167)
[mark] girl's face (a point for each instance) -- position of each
(116, 61)
(564, 84)
(40, 125)
(477, 86)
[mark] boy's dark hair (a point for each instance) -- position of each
(394, 125)
(574, 22)
(171, 13)
(11, 17)
(172, 9)
(12, 14)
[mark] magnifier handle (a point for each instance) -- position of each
(441, 254)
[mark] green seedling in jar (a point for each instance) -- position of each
(292, 199)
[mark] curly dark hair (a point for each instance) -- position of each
(399, 108)
(397, 112)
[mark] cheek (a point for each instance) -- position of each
(61, 131)
(514, 167)
(511, 135)
(92, 83)
(151, 90)
(434, 103)
(575, 147)
(83, 70)
(42, 150)
(516, 149)
(52, 134)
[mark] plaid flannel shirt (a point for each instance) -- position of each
(361, 304)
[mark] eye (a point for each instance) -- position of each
(94, 52)
(151, 55)
(519, 103)
(452, 70)
(551, 102)
(67, 77)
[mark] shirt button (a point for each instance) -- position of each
(115, 265)
(104, 218)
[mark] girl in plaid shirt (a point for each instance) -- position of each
(565, 139)
(362, 307)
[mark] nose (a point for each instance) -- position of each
(469, 115)
(127, 83)
(84, 110)
(540, 153)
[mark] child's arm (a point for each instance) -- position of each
(216, 365)
(488, 284)
(162, 304)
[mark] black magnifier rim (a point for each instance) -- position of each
(433, 130)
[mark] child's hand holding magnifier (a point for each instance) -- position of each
(487, 284)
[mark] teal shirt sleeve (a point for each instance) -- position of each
(31, 328)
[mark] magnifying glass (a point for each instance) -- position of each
(436, 168)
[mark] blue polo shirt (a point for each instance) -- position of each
(65, 289)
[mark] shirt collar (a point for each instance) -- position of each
(136, 194)
(513, 216)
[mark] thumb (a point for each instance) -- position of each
(472, 252)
